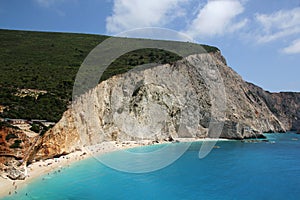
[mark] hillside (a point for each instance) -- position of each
(172, 99)
(176, 100)
(38, 69)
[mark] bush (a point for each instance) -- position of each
(40, 128)
(8, 125)
(35, 128)
(10, 136)
(16, 144)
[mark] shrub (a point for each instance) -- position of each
(8, 125)
(10, 136)
(16, 144)
(35, 128)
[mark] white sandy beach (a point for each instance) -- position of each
(40, 168)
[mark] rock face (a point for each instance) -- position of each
(197, 97)
(14, 146)
(284, 105)
(17, 173)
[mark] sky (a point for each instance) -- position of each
(260, 39)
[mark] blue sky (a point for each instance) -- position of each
(259, 38)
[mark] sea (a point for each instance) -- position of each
(232, 170)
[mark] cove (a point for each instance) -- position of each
(236, 170)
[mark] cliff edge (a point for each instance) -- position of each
(169, 101)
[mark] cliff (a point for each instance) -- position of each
(14, 147)
(197, 97)
(284, 105)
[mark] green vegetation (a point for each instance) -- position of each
(6, 124)
(35, 128)
(129, 60)
(43, 61)
(10, 136)
(49, 61)
(16, 144)
(39, 128)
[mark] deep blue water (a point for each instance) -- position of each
(234, 171)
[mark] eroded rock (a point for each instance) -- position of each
(162, 102)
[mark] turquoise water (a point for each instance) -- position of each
(236, 170)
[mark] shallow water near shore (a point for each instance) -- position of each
(236, 170)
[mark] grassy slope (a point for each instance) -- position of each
(50, 61)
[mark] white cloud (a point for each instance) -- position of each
(217, 17)
(129, 14)
(279, 24)
(294, 48)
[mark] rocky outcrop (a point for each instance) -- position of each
(17, 173)
(14, 146)
(284, 105)
(197, 97)
(60, 140)
(247, 111)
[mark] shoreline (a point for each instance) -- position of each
(41, 168)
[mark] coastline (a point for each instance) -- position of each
(40, 168)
